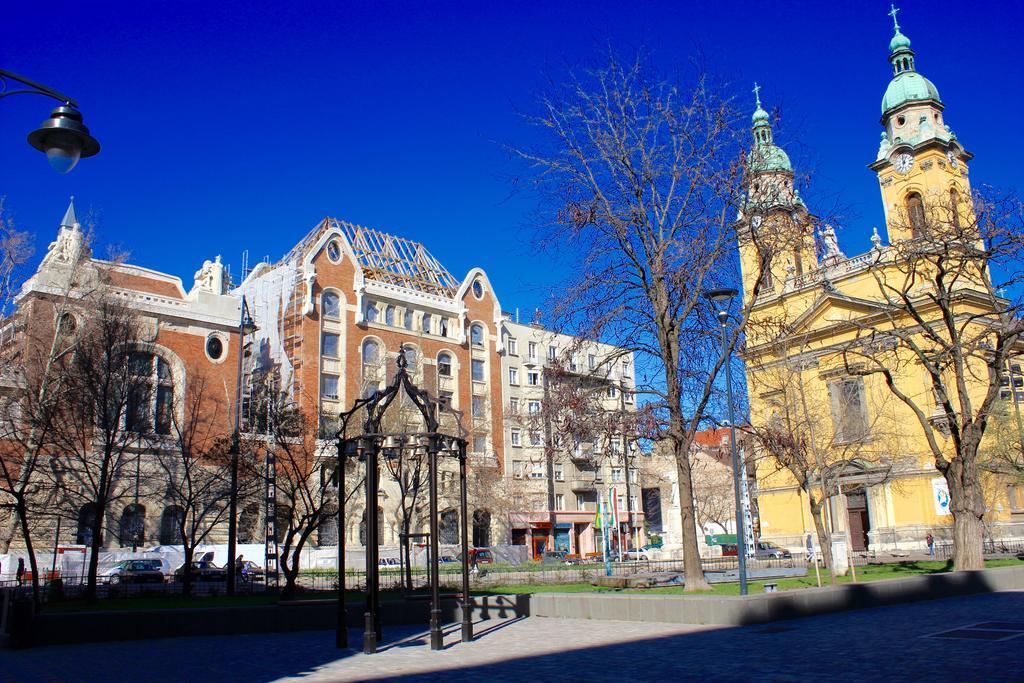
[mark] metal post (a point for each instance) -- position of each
(341, 632)
(236, 435)
(467, 620)
(372, 552)
(436, 635)
(741, 545)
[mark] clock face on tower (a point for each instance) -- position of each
(903, 162)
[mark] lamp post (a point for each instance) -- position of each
(245, 326)
(722, 298)
(62, 137)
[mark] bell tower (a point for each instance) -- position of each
(921, 166)
(776, 239)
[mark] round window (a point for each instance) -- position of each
(900, 120)
(334, 251)
(478, 289)
(68, 324)
(214, 347)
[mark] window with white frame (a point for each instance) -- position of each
(626, 372)
(516, 438)
(479, 443)
(633, 475)
(536, 470)
(479, 406)
(513, 376)
(411, 357)
(444, 365)
(330, 345)
(581, 503)
(622, 502)
(632, 504)
(612, 392)
(533, 406)
(476, 334)
(372, 355)
(616, 474)
(371, 312)
(329, 386)
(513, 347)
(517, 469)
(849, 409)
(560, 501)
(478, 370)
(574, 363)
(426, 323)
(152, 405)
(389, 315)
(513, 406)
(559, 471)
(533, 378)
(407, 320)
(592, 361)
(627, 396)
(445, 400)
(535, 438)
(531, 349)
(330, 304)
(552, 353)
(443, 325)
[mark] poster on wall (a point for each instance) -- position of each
(940, 495)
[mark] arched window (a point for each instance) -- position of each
(371, 312)
(954, 207)
(327, 532)
(389, 315)
(476, 334)
(170, 525)
(132, 526)
(481, 529)
(915, 212)
(330, 305)
(86, 520)
(448, 531)
(411, 357)
(444, 365)
(151, 401)
(426, 323)
(407, 322)
(371, 352)
(798, 263)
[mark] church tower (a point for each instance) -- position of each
(921, 166)
(775, 234)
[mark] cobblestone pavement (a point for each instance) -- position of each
(878, 644)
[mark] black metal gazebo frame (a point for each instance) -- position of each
(369, 447)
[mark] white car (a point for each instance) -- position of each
(635, 555)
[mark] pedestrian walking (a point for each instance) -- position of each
(810, 549)
(930, 541)
(21, 570)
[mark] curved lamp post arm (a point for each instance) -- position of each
(33, 89)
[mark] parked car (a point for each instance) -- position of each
(252, 571)
(389, 563)
(652, 546)
(135, 571)
(203, 569)
(729, 550)
(447, 559)
(482, 556)
(767, 549)
(635, 555)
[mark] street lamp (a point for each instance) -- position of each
(62, 137)
(722, 298)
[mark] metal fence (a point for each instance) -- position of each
(990, 546)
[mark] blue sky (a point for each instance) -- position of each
(229, 126)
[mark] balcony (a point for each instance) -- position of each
(582, 485)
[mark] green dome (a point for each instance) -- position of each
(760, 115)
(768, 157)
(899, 41)
(908, 86)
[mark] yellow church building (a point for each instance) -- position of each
(811, 330)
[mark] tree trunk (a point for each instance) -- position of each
(824, 535)
(967, 503)
(96, 543)
(693, 568)
(22, 512)
(186, 571)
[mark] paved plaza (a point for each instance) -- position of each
(885, 643)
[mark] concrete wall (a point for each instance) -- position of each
(753, 609)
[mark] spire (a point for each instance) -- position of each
(70, 220)
(901, 56)
(760, 127)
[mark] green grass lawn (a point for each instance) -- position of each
(874, 572)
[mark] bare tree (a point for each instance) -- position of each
(949, 316)
(194, 467)
(116, 410)
(643, 178)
